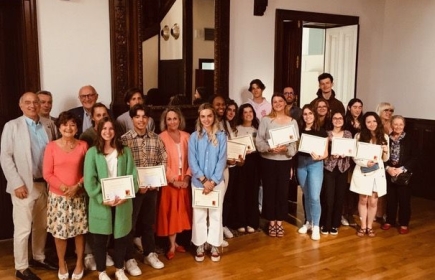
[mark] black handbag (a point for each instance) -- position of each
(402, 179)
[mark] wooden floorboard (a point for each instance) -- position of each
(256, 256)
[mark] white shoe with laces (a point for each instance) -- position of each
(315, 235)
(153, 260)
(132, 267)
(227, 233)
(90, 262)
(305, 228)
(103, 276)
(120, 275)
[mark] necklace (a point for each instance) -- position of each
(70, 145)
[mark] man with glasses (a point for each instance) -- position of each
(326, 82)
(88, 97)
(293, 110)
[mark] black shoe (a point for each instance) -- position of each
(45, 264)
(27, 274)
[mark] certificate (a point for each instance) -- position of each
(210, 200)
(283, 135)
(312, 144)
(343, 146)
(152, 176)
(121, 187)
(247, 140)
(368, 151)
(234, 150)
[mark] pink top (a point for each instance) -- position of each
(173, 160)
(62, 167)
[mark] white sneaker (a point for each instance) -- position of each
(344, 221)
(153, 260)
(90, 262)
(132, 268)
(224, 243)
(305, 228)
(109, 260)
(315, 235)
(227, 233)
(103, 276)
(241, 229)
(137, 241)
(120, 275)
(250, 229)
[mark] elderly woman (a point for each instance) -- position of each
(403, 159)
(175, 210)
(108, 159)
(368, 179)
(207, 160)
(66, 211)
(275, 165)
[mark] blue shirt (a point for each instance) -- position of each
(206, 159)
(38, 141)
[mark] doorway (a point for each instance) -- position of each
(334, 50)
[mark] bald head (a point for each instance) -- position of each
(88, 96)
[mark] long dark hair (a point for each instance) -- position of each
(303, 124)
(255, 122)
(366, 135)
(233, 122)
(349, 117)
(115, 143)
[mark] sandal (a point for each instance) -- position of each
(371, 232)
(361, 232)
(279, 231)
(272, 230)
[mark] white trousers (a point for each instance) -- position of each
(30, 216)
(213, 234)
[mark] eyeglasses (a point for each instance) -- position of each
(389, 110)
(337, 119)
(289, 93)
(84, 96)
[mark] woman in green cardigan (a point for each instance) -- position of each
(108, 158)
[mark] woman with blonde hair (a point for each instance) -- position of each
(207, 161)
(385, 110)
(175, 210)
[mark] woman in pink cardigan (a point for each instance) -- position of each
(66, 209)
(175, 210)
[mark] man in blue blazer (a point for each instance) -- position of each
(22, 149)
(88, 96)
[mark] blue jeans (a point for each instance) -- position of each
(310, 176)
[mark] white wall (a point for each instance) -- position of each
(74, 47)
(408, 58)
(252, 42)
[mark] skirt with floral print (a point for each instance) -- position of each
(66, 217)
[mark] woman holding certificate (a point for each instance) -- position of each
(275, 164)
(66, 209)
(368, 178)
(207, 161)
(246, 212)
(403, 160)
(335, 176)
(175, 208)
(310, 168)
(109, 215)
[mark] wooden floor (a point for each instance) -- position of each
(257, 256)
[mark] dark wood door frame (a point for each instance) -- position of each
(288, 42)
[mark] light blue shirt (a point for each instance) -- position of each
(38, 141)
(206, 159)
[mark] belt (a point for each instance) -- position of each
(39, 180)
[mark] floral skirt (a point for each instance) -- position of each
(66, 217)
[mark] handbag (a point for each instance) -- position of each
(402, 179)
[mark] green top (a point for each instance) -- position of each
(100, 215)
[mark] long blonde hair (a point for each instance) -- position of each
(214, 128)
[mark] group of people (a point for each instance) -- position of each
(54, 168)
